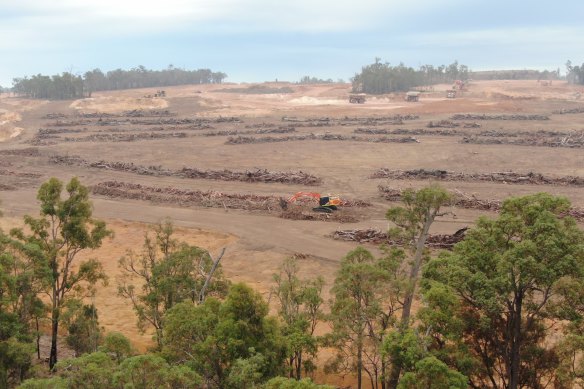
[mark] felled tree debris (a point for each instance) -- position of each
(500, 177)
(256, 175)
(405, 131)
(329, 137)
(126, 190)
(27, 152)
(350, 121)
(569, 141)
(116, 137)
(443, 124)
(213, 199)
(257, 131)
(378, 237)
(52, 131)
(469, 116)
(6, 172)
(459, 199)
(564, 111)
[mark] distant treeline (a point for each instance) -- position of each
(524, 74)
(379, 78)
(70, 86)
(315, 80)
(575, 74)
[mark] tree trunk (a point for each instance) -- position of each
(516, 344)
(54, 336)
(38, 338)
(299, 366)
(410, 292)
(359, 362)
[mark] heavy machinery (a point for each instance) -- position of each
(326, 204)
(412, 96)
(357, 99)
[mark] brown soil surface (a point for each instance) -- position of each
(257, 242)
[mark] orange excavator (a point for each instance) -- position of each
(326, 204)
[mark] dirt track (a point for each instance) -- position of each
(256, 242)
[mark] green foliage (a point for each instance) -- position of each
(300, 309)
(45, 383)
(152, 372)
(502, 285)
(366, 298)
(117, 345)
(379, 78)
(64, 229)
(314, 80)
(575, 73)
(90, 371)
(431, 373)
(81, 321)
(69, 86)
(288, 383)
(246, 373)
(169, 272)
(214, 337)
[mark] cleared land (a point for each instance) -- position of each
(216, 162)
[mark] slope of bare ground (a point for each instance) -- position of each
(328, 138)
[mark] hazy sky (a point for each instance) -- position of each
(259, 40)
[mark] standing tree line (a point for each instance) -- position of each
(575, 73)
(71, 86)
(381, 77)
(503, 310)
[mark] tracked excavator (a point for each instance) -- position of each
(326, 204)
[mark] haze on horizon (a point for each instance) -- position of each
(261, 40)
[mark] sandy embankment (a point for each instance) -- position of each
(7, 128)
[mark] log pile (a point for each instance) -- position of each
(212, 199)
(12, 173)
(117, 137)
(569, 141)
(27, 152)
(443, 124)
(405, 131)
(459, 199)
(564, 111)
(350, 121)
(469, 116)
(257, 131)
(378, 237)
(499, 177)
(182, 197)
(239, 140)
(256, 175)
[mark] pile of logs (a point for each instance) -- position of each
(27, 152)
(459, 199)
(182, 197)
(378, 237)
(500, 177)
(569, 110)
(570, 141)
(257, 175)
(239, 140)
(469, 116)
(117, 137)
(213, 199)
(443, 124)
(257, 131)
(405, 131)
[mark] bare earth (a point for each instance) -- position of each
(258, 241)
